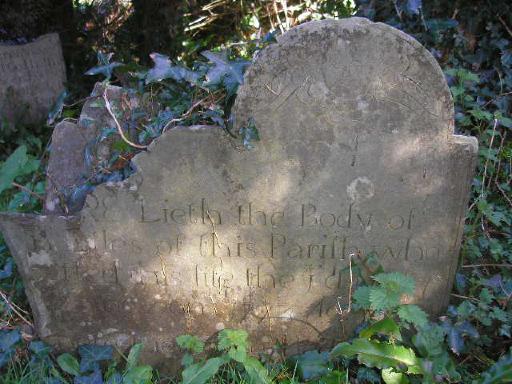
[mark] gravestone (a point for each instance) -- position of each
(357, 156)
(32, 77)
(67, 164)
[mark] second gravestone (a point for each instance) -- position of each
(357, 156)
(32, 77)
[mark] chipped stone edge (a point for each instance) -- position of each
(10, 221)
(139, 159)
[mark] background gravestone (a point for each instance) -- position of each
(32, 76)
(357, 156)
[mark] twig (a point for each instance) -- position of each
(285, 10)
(185, 115)
(81, 101)
(487, 265)
(341, 312)
(4, 297)
(487, 160)
(27, 190)
(464, 297)
(119, 129)
(505, 25)
(498, 167)
(485, 171)
(503, 193)
(279, 22)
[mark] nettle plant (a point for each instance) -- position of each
(231, 361)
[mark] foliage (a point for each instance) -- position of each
(232, 346)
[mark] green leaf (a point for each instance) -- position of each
(312, 364)
(187, 360)
(232, 338)
(429, 340)
(480, 114)
(391, 377)
(8, 339)
(191, 343)
(256, 372)
(380, 355)
(249, 134)
(382, 299)
(200, 373)
(229, 73)
(56, 111)
(334, 377)
(386, 326)
(506, 122)
(138, 375)
(17, 164)
(500, 372)
(164, 69)
(92, 354)
(104, 67)
(133, 356)
(396, 282)
(412, 314)
(69, 364)
(361, 296)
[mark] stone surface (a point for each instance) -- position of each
(357, 155)
(67, 166)
(32, 76)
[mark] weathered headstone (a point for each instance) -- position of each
(32, 76)
(357, 155)
(70, 164)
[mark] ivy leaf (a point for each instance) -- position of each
(40, 348)
(229, 73)
(312, 364)
(439, 25)
(380, 355)
(386, 326)
(6, 271)
(249, 134)
(56, 111)
(138, 375)
(412, 314)
(17, 164)
(164, 69)
(191, 343)
(429, 340)
(200, 373)
(69, 364)
(93, 378)
(92, 354)
(500, 372)
(116, 378)
(104, 67)
(414, 6)
(8, 339)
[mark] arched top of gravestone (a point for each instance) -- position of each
(348, 77)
